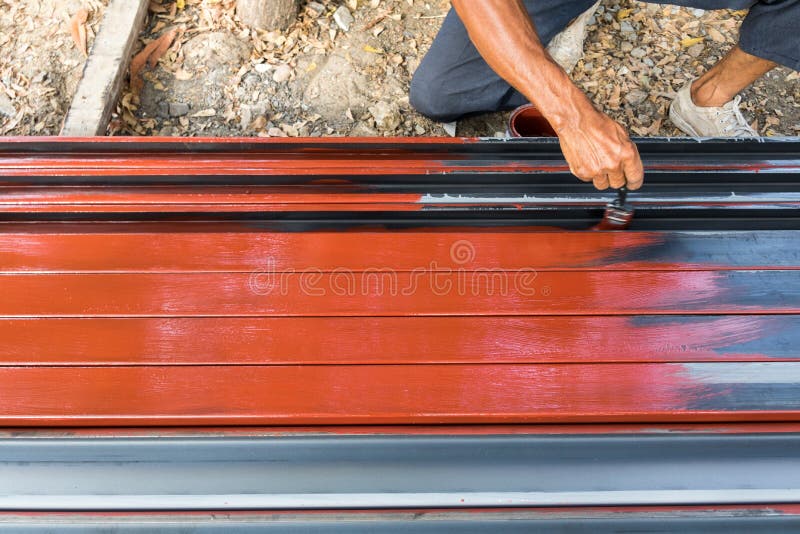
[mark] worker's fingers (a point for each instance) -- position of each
(580, 174)
(634, 170)
(601, 182)
(616, 179)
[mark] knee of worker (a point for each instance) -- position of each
(429, 97)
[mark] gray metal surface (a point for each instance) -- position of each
(708, 521)
(339, 472)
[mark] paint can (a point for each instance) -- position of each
(527, 121)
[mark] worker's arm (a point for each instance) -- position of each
(596, 147)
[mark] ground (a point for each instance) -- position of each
(39, 65)
(316, 79)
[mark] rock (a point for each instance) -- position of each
(343, 18)
(626, 27)
(335, 87)
(6, 106)
(316, 8)
(363, 130)
(163, 109)
(262, 68)
(215, 51)
(248, 113)
(639, 52)
(386, 116)
(450, 128)
(635, 97)
(282, 73)
(267, 14)
(178, 109)
(696, 50)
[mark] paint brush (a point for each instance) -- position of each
(618, 214)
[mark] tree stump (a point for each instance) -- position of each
(267, 14)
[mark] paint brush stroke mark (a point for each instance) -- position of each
(742, 336)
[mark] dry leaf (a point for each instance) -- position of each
(164, 42)
(77, 27)
(691, 41)
(150, 54)
(715, 35)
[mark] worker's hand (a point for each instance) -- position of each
(599, 150)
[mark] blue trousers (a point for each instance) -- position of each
(453, 80)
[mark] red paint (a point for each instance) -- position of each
(528, 121)
(226, 247)
(383, 394)
(269, 161)
(165, 248)
(387, 294)
(386, 340)
(168, 324)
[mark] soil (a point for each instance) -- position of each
(40, 65)
(316, 79)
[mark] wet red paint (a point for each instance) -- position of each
(384, 394)
(159, 248)
(161, 324)
(389, 340)
(402, 159)
(387, 293)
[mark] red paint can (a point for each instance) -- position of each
(527, 121)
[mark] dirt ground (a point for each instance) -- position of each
(40, 66)
(318, 79)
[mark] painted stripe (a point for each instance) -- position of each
(387, 293)
(397, 340)
(385, 394)
(226, 247)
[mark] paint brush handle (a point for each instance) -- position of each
(622, 196)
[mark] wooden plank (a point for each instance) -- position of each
(105, 69)
(243, 248)
(395, 340)
(389, 293)
(400, 394)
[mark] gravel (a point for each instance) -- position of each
(344, 68)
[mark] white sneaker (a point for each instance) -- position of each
(698, 121)
(566, 48)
